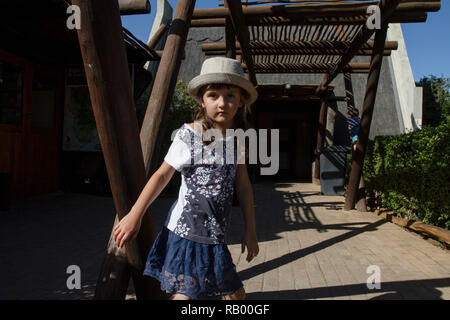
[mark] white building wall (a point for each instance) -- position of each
(163, 16)
(409, 97)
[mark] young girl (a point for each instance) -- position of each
(189, 256)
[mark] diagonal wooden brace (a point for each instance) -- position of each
(106, 67)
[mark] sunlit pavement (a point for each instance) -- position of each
(310, 248)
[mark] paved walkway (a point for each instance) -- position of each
(310, 248)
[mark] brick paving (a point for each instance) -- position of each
(310, 248)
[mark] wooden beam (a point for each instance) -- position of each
(230, 38)
(366, 119)
(336, 98)
(349, 93)
(353, 67)
(422, 228)
(157, 109)
(402, 17)
(306, 45)
(290, 52)
(241, 29)
(106, 69)
(387, 7)
(317, 10)
(361, 204)
(128, 7)
(286, 2)
(298, 47)
(157, 36)
(159, 53)
(332, 19)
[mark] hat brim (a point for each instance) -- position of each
(201, 80)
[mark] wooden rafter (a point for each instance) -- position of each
(402, 17)
(387, 7)
(157, 36)
(242, 33)
(316, 10)
(134, 7)
(297, 48)
(295, 52)
(252, 3)
(354, 67)
(326, 44)
(281, 45)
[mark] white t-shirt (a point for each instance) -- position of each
(201, 212)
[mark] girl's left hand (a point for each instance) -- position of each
(251, 242)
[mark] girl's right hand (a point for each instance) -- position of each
(127, 229)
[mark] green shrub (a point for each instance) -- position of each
(181, 110)
(410, 174)
(436, 99)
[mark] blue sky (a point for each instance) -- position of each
(427, 44)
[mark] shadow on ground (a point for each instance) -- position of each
(41, 237)
(394, 290)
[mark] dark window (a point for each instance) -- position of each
(43, 101)
(11, 93)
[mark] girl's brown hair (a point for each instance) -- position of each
(239, 120)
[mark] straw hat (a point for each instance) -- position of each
(222, 70)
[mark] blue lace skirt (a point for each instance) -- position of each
(197, 270)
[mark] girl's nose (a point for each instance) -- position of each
(221, 101)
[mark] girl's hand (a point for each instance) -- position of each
(251, 242)
(127, 229)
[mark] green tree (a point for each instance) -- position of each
(436, 99)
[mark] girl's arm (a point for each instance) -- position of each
(128, 228)
(244, 192)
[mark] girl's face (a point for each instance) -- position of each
(222, 104)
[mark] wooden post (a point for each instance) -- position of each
(164, 85)
(320, 137)
(349, 92)
(230, 38)
(366, 118)
(240, 27)
(106, 67)
(361, 204)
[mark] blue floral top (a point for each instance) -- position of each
(201, 212)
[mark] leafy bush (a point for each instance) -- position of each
(436, 99)
(410, 174)
(181, 110)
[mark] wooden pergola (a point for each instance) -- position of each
(313, 37)
(319, 36)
